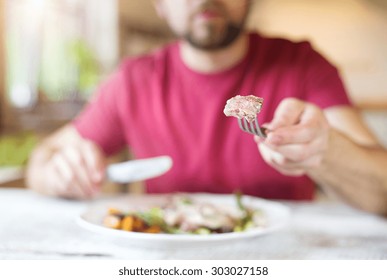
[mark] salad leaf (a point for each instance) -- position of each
(247, 221)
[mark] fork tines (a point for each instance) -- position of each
(252, 127)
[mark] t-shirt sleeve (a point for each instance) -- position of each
(100, 121)
(322, 82)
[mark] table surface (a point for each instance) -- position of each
(37, 227)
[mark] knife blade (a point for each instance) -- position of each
(138, 170)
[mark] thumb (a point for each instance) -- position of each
(288, 113)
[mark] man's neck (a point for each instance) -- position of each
(217, 60)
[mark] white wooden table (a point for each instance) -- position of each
(37, 227)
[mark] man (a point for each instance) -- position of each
(170, 103)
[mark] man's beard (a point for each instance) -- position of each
(231, 33)
(216, 37)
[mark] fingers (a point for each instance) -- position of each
(63, 172)
(81, 178)
(294, 172)
(277, 161)
(298, 138)
(296, 134)
(70, 182)
(76, 171)
(94, 163)
(312, 124)
(288, 113)
(287, 166)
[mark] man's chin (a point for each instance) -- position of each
(213, 43)
(205, 43)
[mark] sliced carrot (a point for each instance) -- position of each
(153, 229)
(127, 223)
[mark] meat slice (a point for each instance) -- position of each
(243, 107)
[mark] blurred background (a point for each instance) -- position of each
(54, 53)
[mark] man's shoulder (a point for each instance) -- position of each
(283, 50)
(275, 43)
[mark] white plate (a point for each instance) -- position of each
(277, 215)
(9, 174)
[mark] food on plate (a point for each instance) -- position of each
(243, 107)
(184, 215)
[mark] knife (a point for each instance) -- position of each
(138, 170)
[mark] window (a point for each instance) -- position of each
(57, 51)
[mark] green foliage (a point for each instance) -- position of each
(15, 150)
(88, 68)
(68, 67)
(247, 221)
(155, 217)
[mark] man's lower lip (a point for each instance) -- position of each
(208, 15)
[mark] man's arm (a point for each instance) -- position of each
(66, 165)
(333, 147)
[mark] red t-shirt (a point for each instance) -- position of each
(156, 105)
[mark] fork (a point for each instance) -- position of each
(252, 127)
